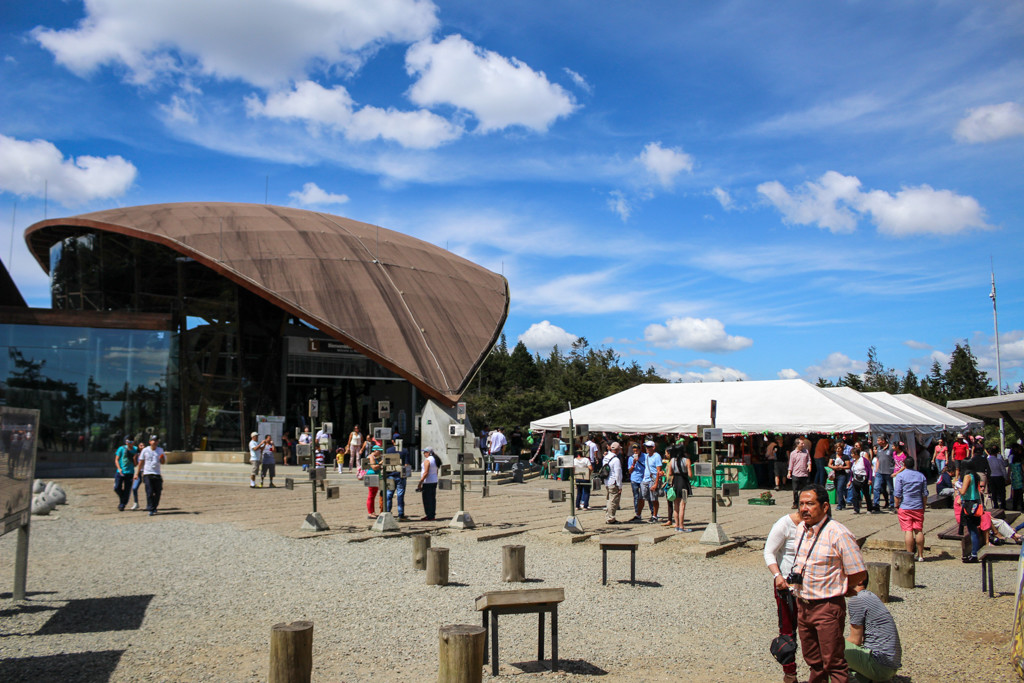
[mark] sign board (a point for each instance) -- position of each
(444, 484)
(371, 480)
(565, 461)
(382, 433)
(19, 431)
(270, 425)
(328, 427)
(700, 430)
(383, 409)
(314, 407)
(392, 459)
(566, 435)
(302, 450)
(582, 430)
(712, 435)
(465, 458)
(456, 430)
(460, 410)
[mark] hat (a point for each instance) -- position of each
(128, 439)
(428, 449)
(959, 435)
(649, 444)
(154, 437)
(254, 435)
(377, 448)
(615, 445)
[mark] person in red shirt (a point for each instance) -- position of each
(961, 449)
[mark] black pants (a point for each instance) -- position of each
(859, 490)
(997, 489)
(798, 484)
(1017, 497)
(430, 500)
(154, 487)
(123, 488)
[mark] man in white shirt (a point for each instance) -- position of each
(305, 436)
(255, 457)
(428, 484)
(497, 443)
(613, 482)
(150, 459)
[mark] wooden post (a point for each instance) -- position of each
(461, 654)
(437, 567)
(513, 563)
(878, 579)
(420, 545)
(904, 569)
(291, 652)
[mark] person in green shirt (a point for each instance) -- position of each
(124, 471)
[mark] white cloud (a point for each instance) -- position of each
(715, 373)
(705, 334)
(32, 168)
(916, 344)
(264, 42)
(940, 356)
(990, 123)
(816, 202)
(724, 198)
(585, 293)
(835, 365)
(318, 106)
(665, 164)
(500, 92)
(179, 110)
(618, 203)
(836, 202)
(788, 373)
(312, 194)
(579, 81)
(543, 336)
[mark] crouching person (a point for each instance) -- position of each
(873, 647)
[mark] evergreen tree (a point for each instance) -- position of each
(521, 370)
(963, 378)
(877, 377)
(852, 380)
(910, 384)
(933, 386)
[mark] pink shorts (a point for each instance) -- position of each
(911, 520)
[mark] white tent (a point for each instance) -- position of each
(880, 400)
(786, 406)
(951, 419)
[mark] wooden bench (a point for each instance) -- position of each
(936, 502)
(629, 544)
(991, 554)
(525, 601)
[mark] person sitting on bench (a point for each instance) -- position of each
(873, 648)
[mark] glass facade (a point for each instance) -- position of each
(92, 386)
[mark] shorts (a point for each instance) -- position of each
(781, 468)
(269, 467)
(680, 493)
(647, 493)
(255, 468)
(910, 520)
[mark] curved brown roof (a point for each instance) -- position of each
(426, 314)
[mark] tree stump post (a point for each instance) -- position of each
(437, 567)
(513, 563)
(904, 569)
(461, 654)
(878, 579)
(420, 545)
(291, 652)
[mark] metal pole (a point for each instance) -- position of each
(999, 369)
(487, 463)
(312, 454)
(21, 563)
(714, 466)
(572, 468)
(462, 469)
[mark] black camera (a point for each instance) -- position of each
(795, 579)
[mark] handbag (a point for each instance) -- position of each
(970, 507)
(360, 473)
(670, 493)
(783, 648)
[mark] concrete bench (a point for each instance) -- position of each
(525, 601)
(991, 554)
(629, 544)
(936, 502)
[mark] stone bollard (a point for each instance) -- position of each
(513, 563)
(904, 569)
(420, 546)
(437, 567)
(38, 486)
(291, 652)
(878, 579)
(461, 654)
(41, 505)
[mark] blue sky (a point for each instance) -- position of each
(722, 190)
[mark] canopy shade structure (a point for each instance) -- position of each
(420, 311)
(786, 406)
(952, 420)
(880, 401)
(1009, 406)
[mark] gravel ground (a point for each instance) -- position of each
(174, 600)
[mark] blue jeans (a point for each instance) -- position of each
(582, 495)
(840, 490)
(135, 490)
(637, 499)
(820, 475)
(399, 492)
(883, 480)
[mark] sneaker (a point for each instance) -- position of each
(687, 530)
(920, 558)
(654, 520)
(637, 518)
(152, 512)
(611, 521)
(135, 506)
(272, 486)
(120, 508)
(252, 484)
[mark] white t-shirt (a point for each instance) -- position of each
(858, 466)
(430, 467)
(254, 452)
(305, 437)
(614, 477)
(593, 449)
(149, 459)
(497, 442)
(780, 548)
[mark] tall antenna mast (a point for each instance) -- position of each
(999, 365)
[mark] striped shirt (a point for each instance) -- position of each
(826, 566)
(880, 634)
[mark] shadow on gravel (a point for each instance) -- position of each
(29, 594)
(572, 666)
(96, 615)
(80, 667)
(25, 609)
(533, 580)
(644, 584)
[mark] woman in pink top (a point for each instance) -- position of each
(799, 467)
(940, 455)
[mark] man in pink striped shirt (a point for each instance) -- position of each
(828, 563)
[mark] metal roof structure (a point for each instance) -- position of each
(426, 314)
(1010, 406)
